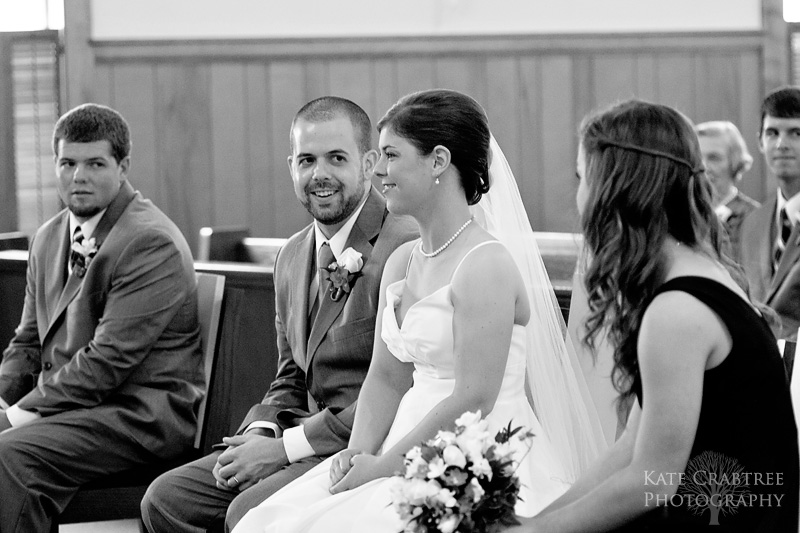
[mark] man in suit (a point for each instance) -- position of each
(104, 372)
(325, 325)
(770, 236)
(726, 159)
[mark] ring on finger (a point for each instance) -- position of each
(235, 480)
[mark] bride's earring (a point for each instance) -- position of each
(436, 181)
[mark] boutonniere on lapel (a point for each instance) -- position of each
(342, 273)
(83, 253)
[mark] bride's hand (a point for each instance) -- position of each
(342, 463)
(363, 469)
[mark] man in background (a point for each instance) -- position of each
(769, 244)
(104, 372)
(325, 328)
(726, 159)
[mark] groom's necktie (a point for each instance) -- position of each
(318, 286)
(74, 257)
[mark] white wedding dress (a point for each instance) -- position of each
(424, 338)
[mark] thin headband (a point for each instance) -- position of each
(656, 153)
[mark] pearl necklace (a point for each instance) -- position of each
(446, 244)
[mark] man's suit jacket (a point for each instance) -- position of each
(741, 205)
(123, 340)
(780, 291)
(321, 372)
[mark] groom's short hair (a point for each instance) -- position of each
(328, 108)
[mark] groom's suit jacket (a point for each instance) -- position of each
(321, 368)
(781, 290)
(122, 340)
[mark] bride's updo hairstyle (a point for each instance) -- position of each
(427, 119)
(646, 181)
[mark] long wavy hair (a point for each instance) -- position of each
(646, 181)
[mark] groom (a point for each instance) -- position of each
(325, 325)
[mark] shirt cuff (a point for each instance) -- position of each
(276, 430)
(296, 444)
(19, 417)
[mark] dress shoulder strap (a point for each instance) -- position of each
(479, 245)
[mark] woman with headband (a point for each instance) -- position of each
(711, 439)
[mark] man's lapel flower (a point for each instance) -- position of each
(83, 253)
(342, 273)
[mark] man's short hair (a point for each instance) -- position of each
(738, 155)
(781, 103)
(91, 123)
(330, 107)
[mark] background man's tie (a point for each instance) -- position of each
(783, 238)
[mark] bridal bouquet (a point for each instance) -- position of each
(462, 481)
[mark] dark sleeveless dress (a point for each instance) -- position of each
(742, 473)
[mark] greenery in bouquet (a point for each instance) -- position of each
(462, 481)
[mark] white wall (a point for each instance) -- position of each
(199, 19)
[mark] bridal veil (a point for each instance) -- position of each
(555, 382)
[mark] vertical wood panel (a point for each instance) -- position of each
(134, 98)
(558, 143)
(414, 74)
(352, 80)
(675, 83)
(717, 82)
(756, 182)
(384, 83)
(646, 77)
(284, 79)
(502, 106)
(317, 80)
(532, 182)
(614, 78)
(102, 88)
(467, 75)
(183, 109)
(259, 141)
(229, 145)
(8, 171)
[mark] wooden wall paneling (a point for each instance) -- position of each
(183, 116)
(532, 183)
(134, 97)
(717, 87)
(79, 55)
(674, 83)
(414, 74)
(229, 144)
(259, 145)
(614, 78)
(102, 87)
(502, 107)
(465, 74)
(385, 91)
(646, 77)
(8, 170)
(756, 182)
(352, 79)
(582, 87)
(285, 79)
(559, 143)
(316, 78)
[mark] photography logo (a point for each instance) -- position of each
(716, 483)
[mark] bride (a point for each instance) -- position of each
(463, 312)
